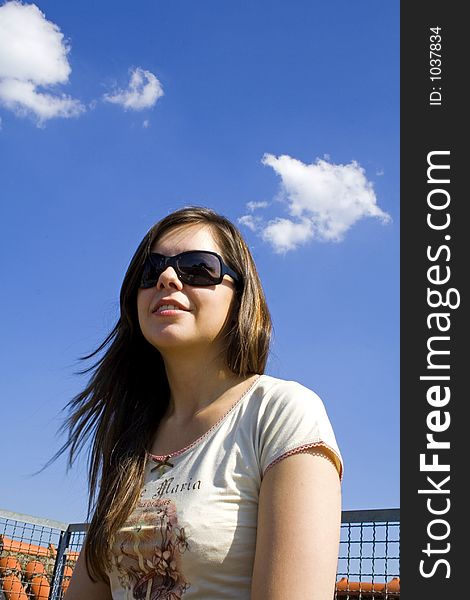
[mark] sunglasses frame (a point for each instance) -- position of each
(172, 261)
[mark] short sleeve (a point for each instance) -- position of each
(294, 420)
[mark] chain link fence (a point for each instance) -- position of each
(37, 556)
(369, 556)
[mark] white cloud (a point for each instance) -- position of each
(33, 54)
(250, 221)
(252, 206)
(284, 234)
(143, 92)
(323, 201)
(23, 97)
(146, 124)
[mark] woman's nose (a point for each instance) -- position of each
(169, 279)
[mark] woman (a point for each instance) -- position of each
(211, 480)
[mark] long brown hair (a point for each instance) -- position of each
(118, 409)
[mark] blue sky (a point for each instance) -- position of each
(282, 116)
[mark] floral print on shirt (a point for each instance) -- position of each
(147, 553)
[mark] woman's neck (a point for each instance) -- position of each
(194, 384)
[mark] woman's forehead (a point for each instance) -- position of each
(197, 236)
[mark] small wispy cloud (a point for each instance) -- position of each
(33, 61)
(251, 206)
(323, 201)
(251, 222)
(143, 91)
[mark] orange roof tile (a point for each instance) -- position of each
(13, 588)
(366, 589)
(26, 547)
(40, 587)
(34, 567)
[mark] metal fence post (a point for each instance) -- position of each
(58, 572)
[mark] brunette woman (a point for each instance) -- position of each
(209, 480)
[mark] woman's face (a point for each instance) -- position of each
(175, 316)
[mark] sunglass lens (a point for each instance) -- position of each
(152, 271)
(199, 268)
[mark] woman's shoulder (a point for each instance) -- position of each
(282, 399)
(291, 416)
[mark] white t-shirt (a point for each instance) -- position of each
(193, 534)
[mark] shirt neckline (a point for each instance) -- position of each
(158, 458)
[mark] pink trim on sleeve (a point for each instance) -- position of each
(305, 448)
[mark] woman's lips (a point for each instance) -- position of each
(168, 308)
(168, 304)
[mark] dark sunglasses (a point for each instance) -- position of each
(195, 267)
